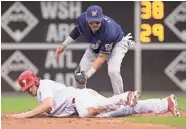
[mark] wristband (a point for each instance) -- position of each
(90, 72)
(68, 41)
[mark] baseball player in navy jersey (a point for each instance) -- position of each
(107, 43)
(57, 100)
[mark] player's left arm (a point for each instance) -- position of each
(45, 106)
(82, 76)
(96, 64)
(99, 61)
(105, 50)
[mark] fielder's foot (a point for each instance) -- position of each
(132, 98)
(173, 105)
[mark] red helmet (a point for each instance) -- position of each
(27, 79)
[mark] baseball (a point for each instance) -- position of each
(79, 74)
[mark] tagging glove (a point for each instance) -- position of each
(80, 77)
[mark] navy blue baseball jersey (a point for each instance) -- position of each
(105, 38)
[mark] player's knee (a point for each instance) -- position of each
(88, 112)
(113, 72)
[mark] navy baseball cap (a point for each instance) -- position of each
(94, 13)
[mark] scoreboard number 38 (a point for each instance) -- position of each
(152, 10)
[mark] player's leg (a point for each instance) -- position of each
(85, 102)
(114, 64)
(114, 102)
(89, 102)
(159, 106)
(143, 106)
(127, 98)
(156, 106)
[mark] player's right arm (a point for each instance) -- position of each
(75, 33)
(45, 106)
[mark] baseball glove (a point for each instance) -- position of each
(80, 77)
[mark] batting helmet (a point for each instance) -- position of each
(27, 79)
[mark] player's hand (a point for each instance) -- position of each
(59, 51)
(19, 116)
(128, 36)
(131, 43)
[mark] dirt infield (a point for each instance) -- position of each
(79, 123)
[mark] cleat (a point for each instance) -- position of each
(132, 98)
(173, 105)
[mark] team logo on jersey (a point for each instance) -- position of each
(108, 47)
(18, 21)
(96, 45)
(94, 13)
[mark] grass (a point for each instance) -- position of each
(24, 103)
(17, 103)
